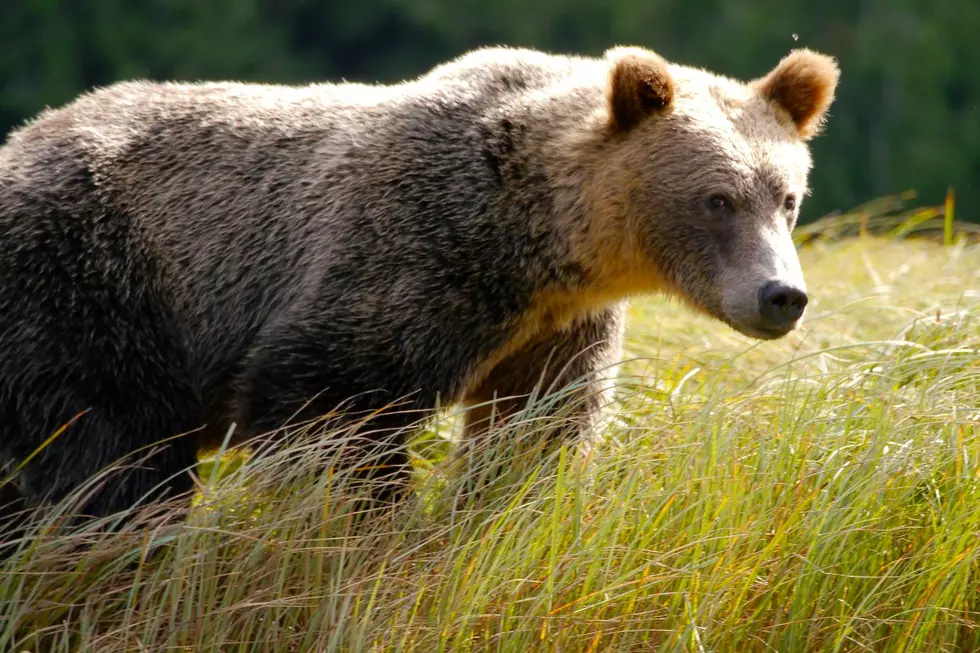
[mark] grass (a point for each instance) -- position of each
(818, 493)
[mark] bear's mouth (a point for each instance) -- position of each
(763, 333)
(743, 326)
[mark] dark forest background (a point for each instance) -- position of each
(907, 115)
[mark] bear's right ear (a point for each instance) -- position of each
(803, 85)
(639, 86)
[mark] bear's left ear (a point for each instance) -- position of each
(803, 85)
(639, 86)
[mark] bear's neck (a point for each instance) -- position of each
(578, 187)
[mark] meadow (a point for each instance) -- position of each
(819, 493)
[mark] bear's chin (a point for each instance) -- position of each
(759, 333)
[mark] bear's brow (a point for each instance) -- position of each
(772, 180)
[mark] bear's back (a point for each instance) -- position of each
(246, 195)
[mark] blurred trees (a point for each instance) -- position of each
(907, 115)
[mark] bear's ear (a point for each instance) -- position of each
(639, 86)
(803, 85)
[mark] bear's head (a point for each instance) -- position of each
(706, 174)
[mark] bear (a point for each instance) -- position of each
(180, 257)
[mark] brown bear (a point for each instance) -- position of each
(176, 258)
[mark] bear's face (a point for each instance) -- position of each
(715, 171)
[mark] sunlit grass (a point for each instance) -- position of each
(818, 493)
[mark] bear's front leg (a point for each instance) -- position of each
(570, 372)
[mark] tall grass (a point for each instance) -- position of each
(818, 493)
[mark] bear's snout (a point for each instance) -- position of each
(781, 305)
(764, 293)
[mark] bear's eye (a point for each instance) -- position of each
(720, 203)
(790, 203)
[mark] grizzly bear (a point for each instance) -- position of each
(177, 258)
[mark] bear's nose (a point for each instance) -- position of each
(781, 305)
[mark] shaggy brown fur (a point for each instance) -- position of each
(182, 255)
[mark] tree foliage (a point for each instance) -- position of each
(907, 114)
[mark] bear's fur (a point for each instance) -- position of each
(176, 256)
